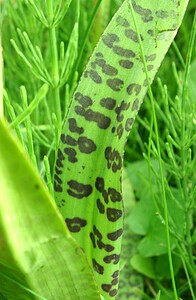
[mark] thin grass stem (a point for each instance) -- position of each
(160, 160)
(39, 96)
(28, 126)
(12, 116)
(83, 43)
(54, 62)
(188, 279)
(183, 143)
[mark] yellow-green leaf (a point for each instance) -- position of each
(38, 257)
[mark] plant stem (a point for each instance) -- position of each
(54, 56)
(182, 251)
(184, 178)
(163, 197)
(54, 62)
(188, 279)
(160, 160)
(83, 43)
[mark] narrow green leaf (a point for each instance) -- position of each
(191, 85)
(38, 257)
(97, 124)
(60, 11)
(70, 56)
(158, 296)
(39, 96)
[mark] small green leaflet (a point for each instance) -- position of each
(97, 124)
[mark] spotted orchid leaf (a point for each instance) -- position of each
(33, 234)
(97, 124)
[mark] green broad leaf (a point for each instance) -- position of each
(144, 265)
(141, 216)
(155, 268)
(38, 257)
(143, 212)
(139, 176)
(129, 277)
(143, 219)
(97, 124)
(155, 243)
(162, 266)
